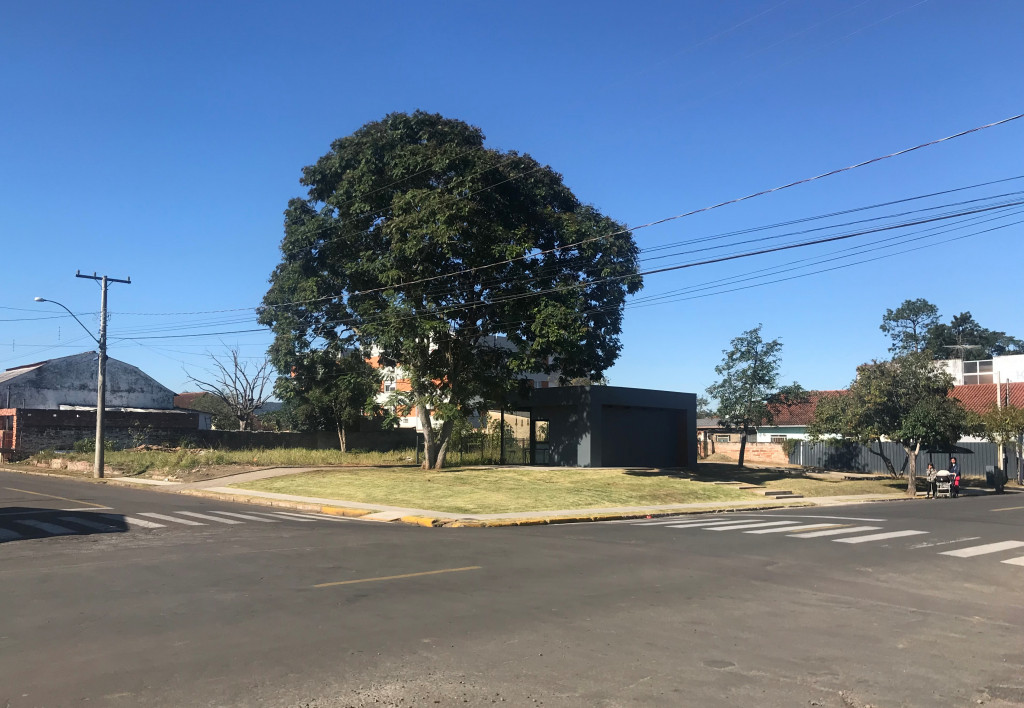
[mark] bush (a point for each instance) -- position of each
(89, 445)
(790, 445)
(44, 456)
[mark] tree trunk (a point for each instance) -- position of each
(743, 444)
(429, 446)
(442, 443)
(888, 463)
(912, 468)
(342, 442)
(241, 423)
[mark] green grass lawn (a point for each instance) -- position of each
(493, 491)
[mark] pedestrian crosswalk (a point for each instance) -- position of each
(49, 523)
(834, 529)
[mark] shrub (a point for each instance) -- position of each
(790, 445)
(89, 445)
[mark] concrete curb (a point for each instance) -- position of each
(280, 503)
(453, 521)
(583, 518)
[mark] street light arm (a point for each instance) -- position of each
(43, 299)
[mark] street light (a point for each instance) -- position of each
(97, 470)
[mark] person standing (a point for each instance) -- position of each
(930, 477)
(954, 470)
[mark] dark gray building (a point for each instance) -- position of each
(611, 426)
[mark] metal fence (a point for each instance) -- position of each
(485, 449)
(973, 457)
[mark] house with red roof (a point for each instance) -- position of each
(791, 420)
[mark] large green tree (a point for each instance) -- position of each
(327, 389)
(420, 243)
(749, 393)
(908, 325)
(964, 338)
(905, 400)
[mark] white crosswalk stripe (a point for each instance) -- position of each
(247, 517)
(132, 521)
(89, 523)
(835, 532)
(297, 517)
(52, 529)
(708, 524)
(792, 529)
(15, 529)
(982, 550)
(752, 526)
(208, 517)
(1015, 561)
(879, 536)
(172, 519)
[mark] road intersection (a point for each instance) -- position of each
(774, 608)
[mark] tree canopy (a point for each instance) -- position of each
(915, 326)
(908, 325)
(748, 393)
(964, 338)
(905, 400)
(421, 244)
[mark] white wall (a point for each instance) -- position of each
(71, 381)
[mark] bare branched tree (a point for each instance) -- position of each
(243, 388)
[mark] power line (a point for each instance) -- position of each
(647, 249)
(657, 222)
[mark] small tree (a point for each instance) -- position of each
(905, 400)
(704, 409)
(328, 390)
(908, 325)
(749, 393)
(1004, 426)
(242, 387)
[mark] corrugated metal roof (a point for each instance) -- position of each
(20, 371)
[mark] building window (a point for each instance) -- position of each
(721, 438)
(978, 372)
(778, 438)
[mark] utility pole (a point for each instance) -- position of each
(101, 388)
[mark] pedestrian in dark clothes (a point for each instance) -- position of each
(954, 469)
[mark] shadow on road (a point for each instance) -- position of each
(23, 523)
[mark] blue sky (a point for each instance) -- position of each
(162, 141)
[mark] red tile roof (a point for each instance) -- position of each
(799, 413)
(980, 397)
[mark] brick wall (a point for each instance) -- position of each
(756, 452)
(36, 430)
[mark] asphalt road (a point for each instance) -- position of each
(277, 610)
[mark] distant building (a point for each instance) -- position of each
(973, 372)
(394, 379)
(52, 404)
